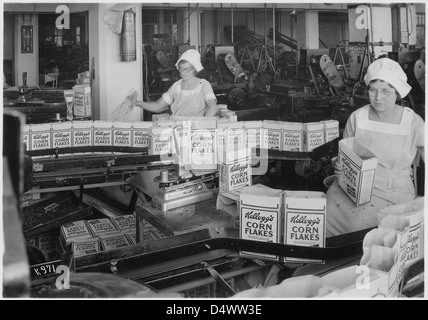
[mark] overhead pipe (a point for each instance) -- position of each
(231, 12)
(198, 13)
(188, 24)
(274, 36)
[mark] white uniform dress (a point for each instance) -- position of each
(395, 146)
(189, 102)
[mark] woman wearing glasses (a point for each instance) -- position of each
(394, 134)
(189, 96)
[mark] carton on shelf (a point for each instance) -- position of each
(41, 136)
(358, 170)
(256, 135)
(101, 226)
(261, 212)
(292, 136)
(331, 130)
(125, 222)
(203, 150)
(122, 134)
(82, 105)
(62, 135)
(304, 221)
(86, 246)
(103, 133)
(140, 133)
(274, 132)
(109, 242)
(160, 140)
(73, 231)
(313, 133)
(235, 171)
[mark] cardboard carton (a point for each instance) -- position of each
(274, 132)
(292, 136)
(140, 133)
(313, 133)
(358, 170)
(304, 221)
(261, 213)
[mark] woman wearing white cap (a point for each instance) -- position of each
(189, 96)
(394, 134)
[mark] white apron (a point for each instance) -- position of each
(393, 146)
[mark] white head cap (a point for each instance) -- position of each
(193, 57)
(390, 71)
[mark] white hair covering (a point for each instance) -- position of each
(193, 57)
(390, 71)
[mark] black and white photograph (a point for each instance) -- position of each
(220, 157)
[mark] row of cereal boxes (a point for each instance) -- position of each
(158, 136)
(95, 235)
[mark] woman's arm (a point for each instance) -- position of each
(153, 106)
(211, 109)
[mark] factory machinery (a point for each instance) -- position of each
(196, 250)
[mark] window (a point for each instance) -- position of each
(65, 49)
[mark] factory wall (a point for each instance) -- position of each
(115, 77)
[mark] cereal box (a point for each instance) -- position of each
(61, 135)
(26, 133)
(85, 247)
(41, 136)
(101, 226)
(235, 171)
(292, 136)
(331, 130)
(140, 133)
(274, 132)
(125, 222)
(304, 221)
(103, 133)
(261, 213)
(160, 140)
(358, 170)
(122, 134)
(313, 133)
(256, 135)
(203, 150)
(114, 241)
(82, 101)
(82, 133)
(74, 230)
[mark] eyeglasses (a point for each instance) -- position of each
(185, 70)
(383, 93)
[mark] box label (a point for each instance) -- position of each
(122, 138)
(293, 140)
(41, 140)
(203, 149)
(140, 138)
(82, 137)
(102, 137)
(260, 224)
(274, 139)
(61, 139)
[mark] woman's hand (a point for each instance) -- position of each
(336, 166)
